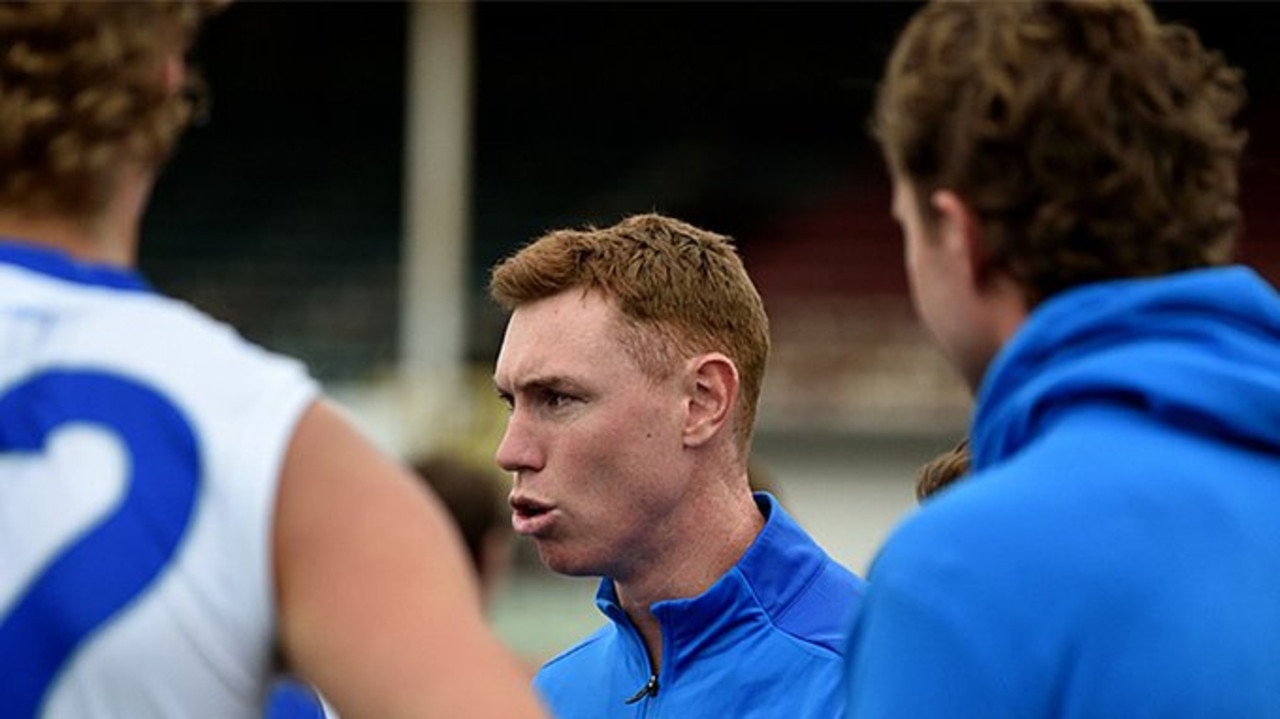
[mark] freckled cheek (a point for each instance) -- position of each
(596, 478)
(617, 452)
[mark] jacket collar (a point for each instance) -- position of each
(774, 571)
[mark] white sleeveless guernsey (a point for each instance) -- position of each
(140, 448)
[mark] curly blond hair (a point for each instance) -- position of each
(83, 91)
(1091, 140)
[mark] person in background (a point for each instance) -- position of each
(943, 470)
(632, 362)
(1066, 177)
(476, 500)
(174, 501)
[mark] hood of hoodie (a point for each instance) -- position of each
(1197, 349)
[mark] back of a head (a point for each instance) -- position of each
(86, 88)
(943, 470)
(680, 290)
(475, 499)
(1092, 141)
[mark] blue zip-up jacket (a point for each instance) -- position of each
(765, 641)
(1116, 552)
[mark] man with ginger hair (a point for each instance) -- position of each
(1066, 176)
(174, 501)
(632, 363)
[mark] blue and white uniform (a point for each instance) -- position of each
(140, 448)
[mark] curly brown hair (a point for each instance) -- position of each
(1091, 140)
(83, 91)
(943, 470)
(681, 291)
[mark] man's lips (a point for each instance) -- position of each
(531, 516)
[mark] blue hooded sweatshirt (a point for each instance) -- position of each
(1116, 551)
(765, 641)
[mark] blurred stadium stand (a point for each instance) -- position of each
(285, 213)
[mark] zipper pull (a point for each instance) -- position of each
(650, 689)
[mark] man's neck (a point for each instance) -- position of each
(709, 550)
(66, 235)
(111, 237)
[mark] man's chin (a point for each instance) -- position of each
(556, 560)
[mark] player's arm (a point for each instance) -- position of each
(378, 607)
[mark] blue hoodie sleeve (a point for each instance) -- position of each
(906, 659)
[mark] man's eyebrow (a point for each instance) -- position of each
(534, 384)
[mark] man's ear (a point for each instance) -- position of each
(961, 233)
(175, 74)
(713, 394)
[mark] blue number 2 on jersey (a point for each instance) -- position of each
(115, 560)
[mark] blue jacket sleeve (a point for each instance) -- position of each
(908, 658)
